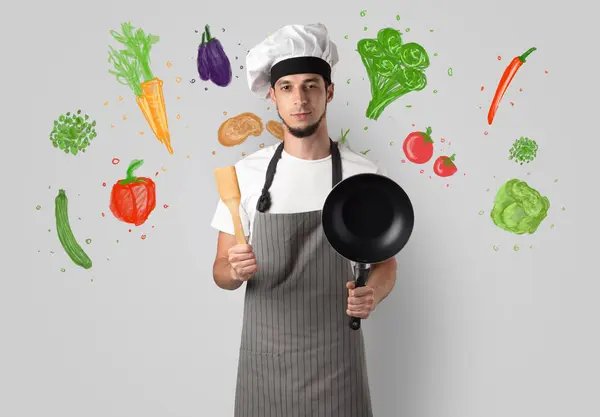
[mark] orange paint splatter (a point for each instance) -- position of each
(115, 161)
(143, 237)
(106, 103)
(178, 79)
(169, 64)
(188, 157)
(129, 230)
(120, 98)
(112, 126)
(124, 117)
(512, 104)
(499, 57)
(214, 153)
(520, 89)
(141, 132)
(178, 97)
(178, 116)
(224, 113)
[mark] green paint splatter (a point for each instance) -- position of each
(523, 150)
(435, 91)
(392, 66)
(435, 54)
(366, 28)
(88, 241)
(38, 207)
(346, 37)
(496, 248)
(397, 17)
(366, 127)
(450, 71)
(348, 81)
(481, 212)
(409, 105)
(365, 152)
(518, 208)
(363, 13)
(408, 29)
(62, 269)
(516, 248)
(431, 30)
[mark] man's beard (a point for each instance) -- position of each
(302, 132)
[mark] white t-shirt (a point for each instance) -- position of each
(299, 185)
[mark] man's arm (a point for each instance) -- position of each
(382, 279)
(222, 271)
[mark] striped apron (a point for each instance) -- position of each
(298, 356)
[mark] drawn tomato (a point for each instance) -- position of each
(133, 199)
(418, 146)
(444, 166)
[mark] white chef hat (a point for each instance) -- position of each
(292, 49)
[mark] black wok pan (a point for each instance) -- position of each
(367, 218)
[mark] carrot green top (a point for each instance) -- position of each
(132, 64)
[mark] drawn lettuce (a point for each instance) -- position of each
(394, 69)
(518, 208)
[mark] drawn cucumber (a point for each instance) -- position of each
(65, 234)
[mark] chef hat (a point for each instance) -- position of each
(293, 49)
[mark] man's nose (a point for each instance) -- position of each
(300, 96)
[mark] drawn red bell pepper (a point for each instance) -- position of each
(133, 199)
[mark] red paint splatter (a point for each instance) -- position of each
(166, 206)
(520, 89)
(449, 143)
(153, 227)
(143, 237)
(422, 171)
(413, 125)
(403, 161)
(546, 71)
(512, 104)
(104, 184)
(443, 140)
(481, 88)
(102, 214)
(115, 161)
(485, 133)
(499, 57)
(447, 185)
(156, 174)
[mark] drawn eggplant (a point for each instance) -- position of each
(213, 64)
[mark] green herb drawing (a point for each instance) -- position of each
(518, 208)
(344, 134)
(394, 69)
(523, 150)
(73, 132)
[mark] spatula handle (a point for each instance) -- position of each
(239, 230)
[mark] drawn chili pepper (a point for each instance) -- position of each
(212, 61)
(505, 81)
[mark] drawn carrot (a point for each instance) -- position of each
(132, 68)
(507, 76)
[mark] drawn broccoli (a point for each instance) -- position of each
(72, 132)
(394, 69)
(523, 150)
(518, 208)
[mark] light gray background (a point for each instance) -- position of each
(467, 331)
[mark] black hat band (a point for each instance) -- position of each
(300, 65)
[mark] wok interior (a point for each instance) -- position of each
(369, 219)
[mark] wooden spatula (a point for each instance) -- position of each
(229, 190)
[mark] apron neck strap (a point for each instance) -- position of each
(264, 202)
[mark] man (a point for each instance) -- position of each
(298, 355)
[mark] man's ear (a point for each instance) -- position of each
(272, 94)
(330, 91)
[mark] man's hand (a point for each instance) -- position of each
(242, 261)
(361, 301)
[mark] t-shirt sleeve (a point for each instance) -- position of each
(223, 222)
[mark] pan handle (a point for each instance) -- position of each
(361, 273)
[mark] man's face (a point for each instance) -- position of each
(301, 101)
